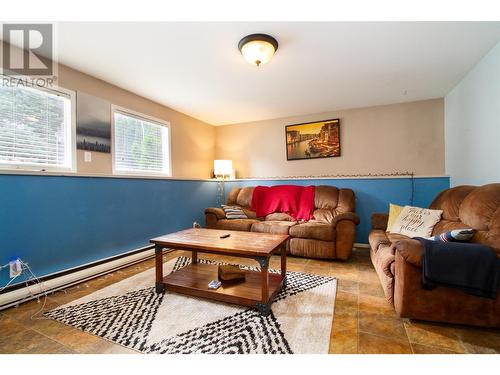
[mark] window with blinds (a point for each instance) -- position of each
(141, 145)
(35, 129)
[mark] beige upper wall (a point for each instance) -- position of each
(192, 140)
(382, 139)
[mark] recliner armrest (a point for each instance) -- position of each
(410, 250)
(351, 216)
(218, 212)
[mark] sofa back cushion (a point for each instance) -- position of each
(233, 196)
(449, 201)
(471, 207)
(329, 201)
(244, 198)
(479, 207)
(326, 197)
(346, 201)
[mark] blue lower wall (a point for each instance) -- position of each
(372, 195)
(56, 222)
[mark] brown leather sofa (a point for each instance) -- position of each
(398, 259)
(330, 235)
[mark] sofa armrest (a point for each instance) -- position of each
(379, 220)
(410, 251)
(212, 216)
(350, 216)
(218, 212)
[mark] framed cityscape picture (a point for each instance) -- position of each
(93, 123)
(312, 140)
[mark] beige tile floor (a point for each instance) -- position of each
(363, 321)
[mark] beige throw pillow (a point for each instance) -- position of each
(416, 221)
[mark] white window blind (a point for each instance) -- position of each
(35, 129)
(140, 145)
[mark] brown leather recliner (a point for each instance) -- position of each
(330, 235)
(398, 259)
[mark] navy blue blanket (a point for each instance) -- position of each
(469, 267)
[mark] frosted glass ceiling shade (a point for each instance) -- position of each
(258, 49)
(223, 167)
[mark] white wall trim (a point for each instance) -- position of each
(61, 174)
(361, 245)
(333, 178)
(69, 174)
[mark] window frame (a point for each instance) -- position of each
(70, 138)
(140, 116)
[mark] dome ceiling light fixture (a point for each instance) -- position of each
(258, 49)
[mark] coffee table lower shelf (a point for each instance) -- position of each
(193, 280)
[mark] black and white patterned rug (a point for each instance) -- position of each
(131, 314)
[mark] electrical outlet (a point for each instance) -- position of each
(87, 157)
(15, 268)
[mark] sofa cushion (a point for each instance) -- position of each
(346, 202)
(244, 197)
(274, 227)
(480, 206)
(279, 216)
(489, 238)
(309, 248)
(236, 224)
(232, 196)
(250, 214)
(326, 197)
(314, 230)
(447, 225)
(450, 200)
(324, 215)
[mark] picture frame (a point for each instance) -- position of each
(93, 123)
(313, 140)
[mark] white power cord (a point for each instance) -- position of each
(30, 276)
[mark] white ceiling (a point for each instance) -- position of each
(197, 69)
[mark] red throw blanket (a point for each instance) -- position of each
(296, 201)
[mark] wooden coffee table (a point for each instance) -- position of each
(259, 288)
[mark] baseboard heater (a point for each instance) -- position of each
(18, 293)
(361, 245)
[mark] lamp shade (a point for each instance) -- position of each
(223, 167)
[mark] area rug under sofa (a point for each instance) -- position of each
(131, 314)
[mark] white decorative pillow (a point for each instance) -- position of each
(416, 221)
